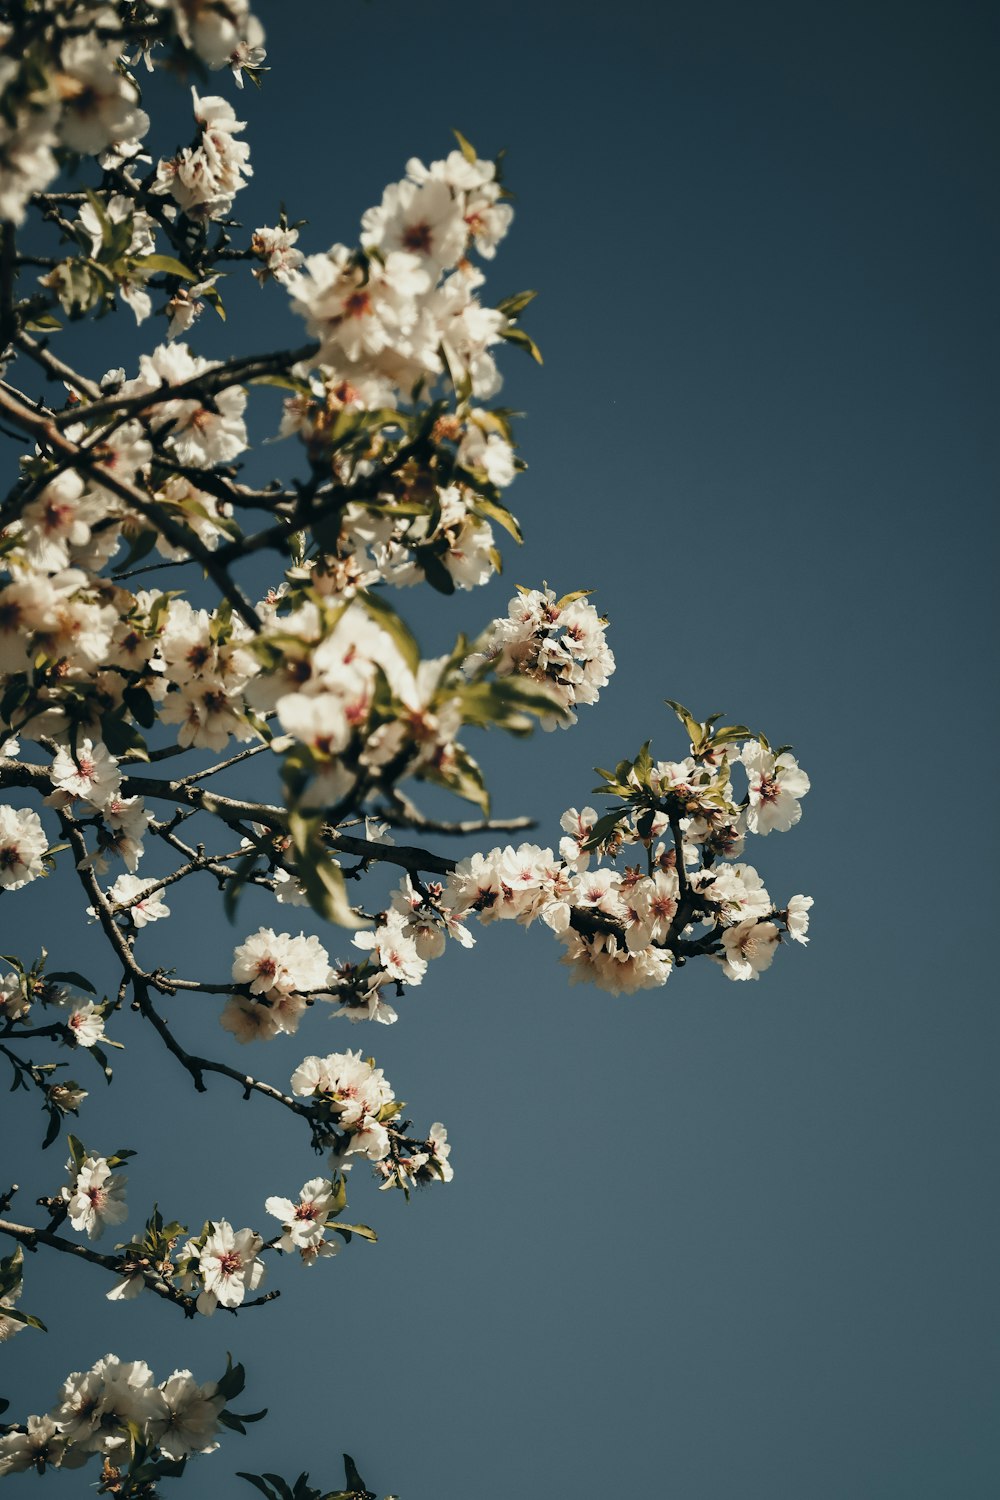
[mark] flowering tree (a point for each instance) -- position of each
(120, 706)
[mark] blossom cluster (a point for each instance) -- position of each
(558, 642)
(623, 928)
(407, 470)
(71, 91)
(204, 179)
(278, 972)
(82, 1019)
(381, 314)
(398, 313)
(109, 1410)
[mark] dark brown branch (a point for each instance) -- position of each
(31, 1239)
(243, 368)
(55, 368)
(402, 813)
(197, 1066)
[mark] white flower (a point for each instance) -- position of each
(577, 825)
(423, 219)
(275, 963)
(797, 918)
(215, 29)
(556, 642)
(303, 1222)
(9, 1326)
(358, 311)
(22, 845)
(738, 889)
(14, 1001)
(275, 247)
(248, 53)
(95, 1197)
(126, 820)
(487, 451)
(192, 1416)
(776, 784)
(92, 774)
(27, 137)
(144, 910)
(99, 102)
(41, 1445)
(393, 949)
(248, 1020)
(198, 435)
(313, 1076)
(85, 1021)
(474, 884)
(128, 1395)
(229, 1267)
(749, 949)
(653, 905)
(437, 1140)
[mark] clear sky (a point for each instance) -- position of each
(714, 1240)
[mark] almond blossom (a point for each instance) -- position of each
(95, 1196)
(22, 846)
(303, 1222)
(776, 785)
(227, 1265)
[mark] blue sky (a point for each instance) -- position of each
(716, 1239)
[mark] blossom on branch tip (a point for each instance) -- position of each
(226, 1263)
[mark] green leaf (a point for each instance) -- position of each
(123, 738)
(463, 777)
(435, 572)
(603, 827)
(52, 1130)
(25, 1319)
(70, 976)
(258, 1483)
(458, 373)
(572, 598)
(466, 147)
(44, 323)
(141, 547)
(492, 510)
(362, 1230)
(280, 1485)
(232, 1381)
(643, 765)
(11, 1269)
(100, 1058)
(691, 724)
(168, 264)
(512, 306)
(731, 733)
(235, 1420)
(518, 336)
(236, 883)
(383, 614)
(523, 692)
(322, 880)
(140, 705)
